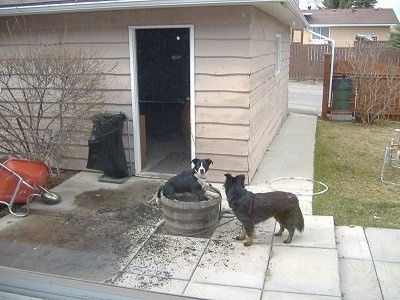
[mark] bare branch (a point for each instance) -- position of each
(49, 92)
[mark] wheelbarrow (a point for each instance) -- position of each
(21, 181)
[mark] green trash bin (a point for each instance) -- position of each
(341, 93)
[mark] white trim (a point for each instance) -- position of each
(351, 25)
(278, 53)
(332, 41)
(48, 8)
(192, 96)
(134, 90)
(134, 98)
(24, 284)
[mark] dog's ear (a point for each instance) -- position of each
(241, 178)
(227, 175)
(195, 160)
(209, 161)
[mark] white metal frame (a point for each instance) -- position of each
(134, 90)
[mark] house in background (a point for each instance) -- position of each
(343, 25)
(208, 79)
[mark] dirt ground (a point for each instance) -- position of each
(103, 220)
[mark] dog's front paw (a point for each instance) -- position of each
(278, 234)
(247, 244)
(288, 240)
(239, 238)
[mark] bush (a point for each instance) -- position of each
(376, 81)
(48, 94)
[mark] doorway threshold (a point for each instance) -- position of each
(155, 175)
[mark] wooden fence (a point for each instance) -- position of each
(307, 61)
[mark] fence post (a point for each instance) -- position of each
(326, 85)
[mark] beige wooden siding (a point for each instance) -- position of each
(345, 36)
(222, 70)
(268, 96)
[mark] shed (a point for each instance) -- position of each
(196, 78)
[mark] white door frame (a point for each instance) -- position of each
(134, 91)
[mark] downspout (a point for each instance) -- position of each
(332, 61)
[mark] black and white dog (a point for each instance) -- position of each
(187, 186)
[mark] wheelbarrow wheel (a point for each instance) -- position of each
(51, 198)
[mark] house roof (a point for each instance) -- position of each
(351, 17)
(286, 11)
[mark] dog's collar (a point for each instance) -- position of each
(201, 180)
(199, 175)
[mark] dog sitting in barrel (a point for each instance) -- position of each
(188, 186)
(253, 208)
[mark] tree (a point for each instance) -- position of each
(395, 38)
(335, 4)
(363, 3)
(48, 94)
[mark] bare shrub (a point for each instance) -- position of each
(376, 81)
(48, 94)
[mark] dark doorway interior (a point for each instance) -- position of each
(163, 64)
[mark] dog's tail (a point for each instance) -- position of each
(298, 218)
(159, 192)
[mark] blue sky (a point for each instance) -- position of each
(395, 4)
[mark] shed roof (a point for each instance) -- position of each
(351, 17)
(286, 11)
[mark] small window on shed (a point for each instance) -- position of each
(278, 56)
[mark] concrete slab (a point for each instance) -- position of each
(358, 279)
(388, 275)
(151, 283)
(306, 204)
(78, 184)
(299, 125)
(230, 227)
(384, 244)
(304, 271)
(318, 233)
(94, 266)
(305, 97)
(210, 291)
(283, 164)
(270, 295)
(168, 256)
(231, 263)
(303, 108)
(296, 185)
(293, 143)
(282, 158)
(351, 242)
(12, 250)
(38, 243)
(81, 182)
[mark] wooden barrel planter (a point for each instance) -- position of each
(192, 218)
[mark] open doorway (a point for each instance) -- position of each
(163, 98)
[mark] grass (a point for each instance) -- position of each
(348, 158)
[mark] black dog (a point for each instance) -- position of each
(252, 208)
(188, 185)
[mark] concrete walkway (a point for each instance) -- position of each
(305, 97)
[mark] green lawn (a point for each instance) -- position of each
(348, 158)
